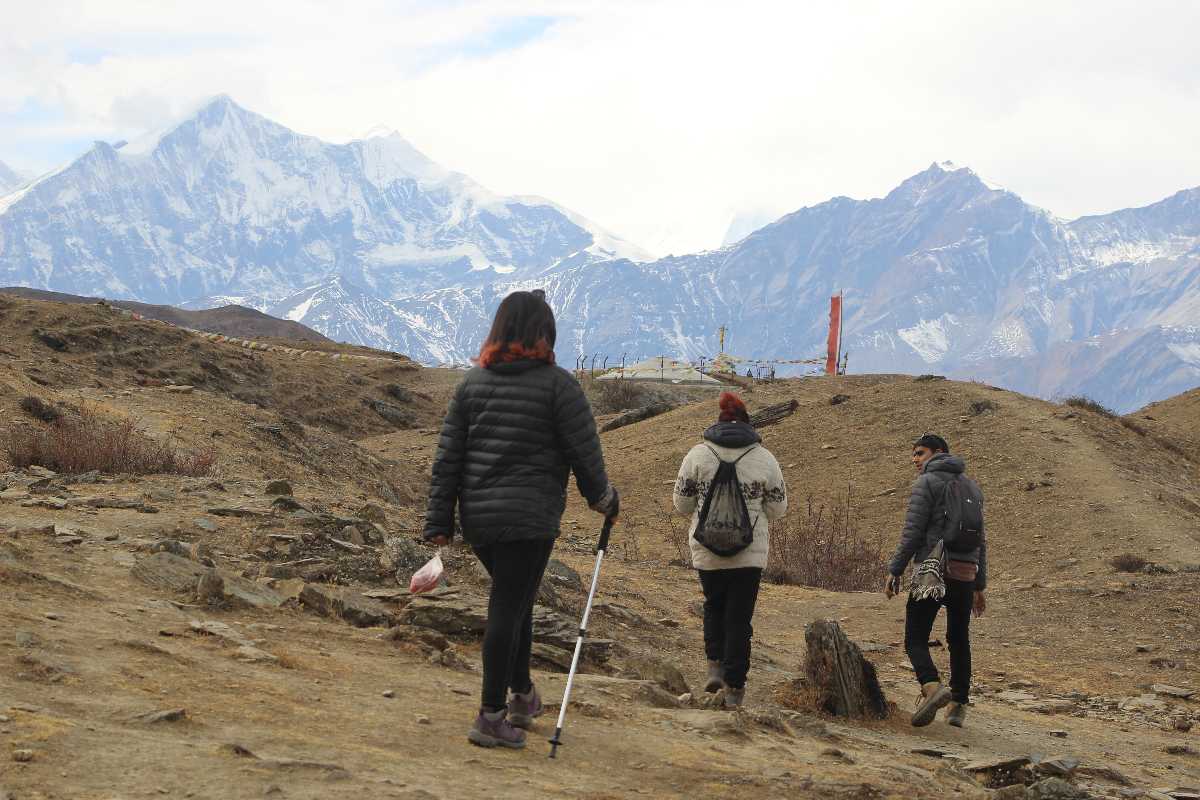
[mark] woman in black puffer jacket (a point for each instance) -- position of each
(516, 427)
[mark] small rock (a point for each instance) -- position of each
(1172, 691)
(181, 389)
(1059, 734)
(352, 534)
(1145, 648)
(372, 512)
(205, 524)
(1060, 766)
(170, 715)
(1145, 702)
(1179, 750)
(840, 755)
(1055, 789)
(838, 399)
(389, 693)
(667, 622)
(278, 487)
(22, 756)
(52, 615)
(286, 503)
(423, 720)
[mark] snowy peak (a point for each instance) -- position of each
(9, 179)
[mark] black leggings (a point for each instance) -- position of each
(918, 624)
(729, 598)
(516, 569)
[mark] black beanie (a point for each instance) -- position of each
(933, 442)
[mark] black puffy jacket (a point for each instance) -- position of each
(921, 529)
(512, 434)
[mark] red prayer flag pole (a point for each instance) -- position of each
(834, 346)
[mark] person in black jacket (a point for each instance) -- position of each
(516, 427)
(965, 577)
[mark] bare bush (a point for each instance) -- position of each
(39, 409)
(619, 395)
(1088, 404)
(979, 407)
(677, 529)
(822, 547)
(86, 440)
(1128, 562)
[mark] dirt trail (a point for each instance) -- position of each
(318, 724)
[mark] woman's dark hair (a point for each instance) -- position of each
(522, 328)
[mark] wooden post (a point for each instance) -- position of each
(844, 682)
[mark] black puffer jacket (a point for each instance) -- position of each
(921, 526)
(512, 434)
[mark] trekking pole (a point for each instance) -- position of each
(587, 610)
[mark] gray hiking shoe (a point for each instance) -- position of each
(956, 714)
(494, 730)
(716, 677)
(933, 696)
(734, 697)
(522, 708)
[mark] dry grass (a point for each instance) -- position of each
(822, 547)
(1088, 404)
(87, 440)
(1128, 562)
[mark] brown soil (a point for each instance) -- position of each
(86, 648)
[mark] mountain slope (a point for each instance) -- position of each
(945, 273)
(231, 320)
(229, 203)
(9, 179)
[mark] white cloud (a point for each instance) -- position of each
(659, 120)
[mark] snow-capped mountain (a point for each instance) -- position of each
(9, 179)
(228, 203)
(944, 274)
(371, 242)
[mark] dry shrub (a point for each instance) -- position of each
(822, 547)
(39, 409)
(87, 440)
(1088, 404)
(979, 407)
(677, 528)
(1128, 562)
(619, 395)
(1134, 426)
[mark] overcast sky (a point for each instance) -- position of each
(659, 120)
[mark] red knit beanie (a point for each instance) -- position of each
(733, 409)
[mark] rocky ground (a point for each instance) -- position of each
(248, 633)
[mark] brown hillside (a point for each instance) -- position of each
(1175, 419)
(114, 685)
(245, 323)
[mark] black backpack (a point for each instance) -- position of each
(962, 515)
(725, 526)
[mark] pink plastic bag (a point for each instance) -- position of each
(427, 577)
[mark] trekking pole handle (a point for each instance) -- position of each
(604, 534)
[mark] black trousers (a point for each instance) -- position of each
(918, 624)
(516, 569)
(729, 598)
